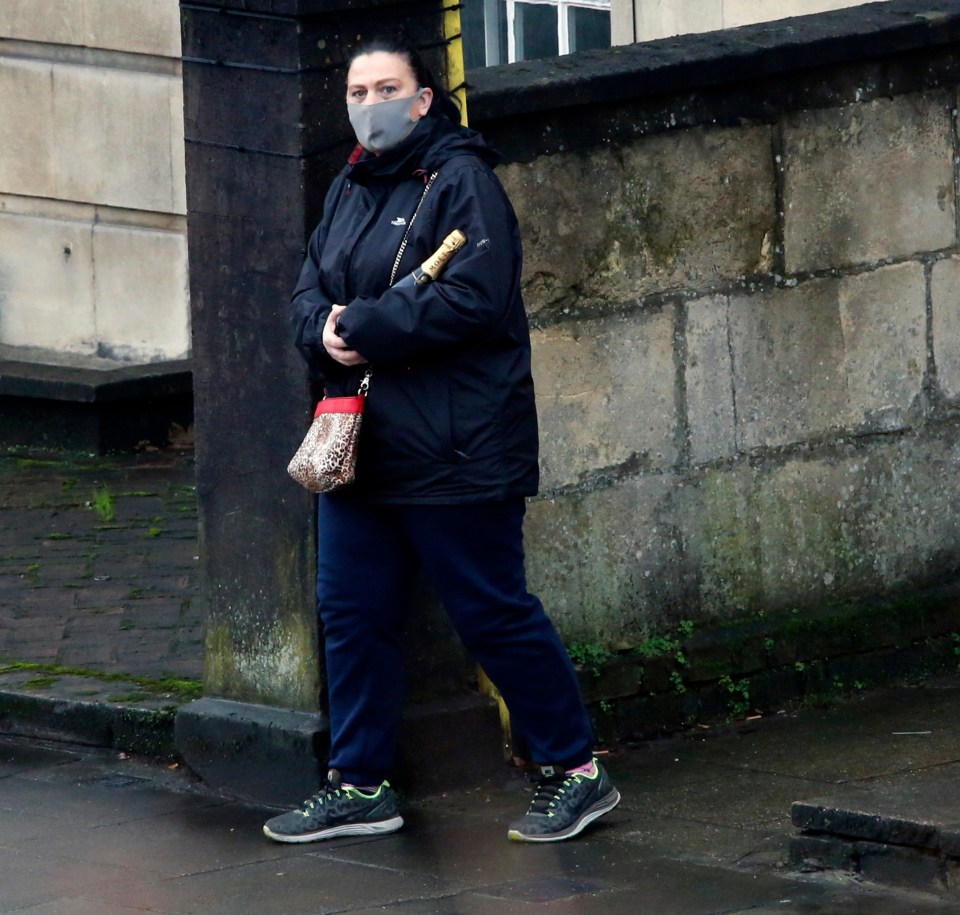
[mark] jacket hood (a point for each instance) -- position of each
(434, 141)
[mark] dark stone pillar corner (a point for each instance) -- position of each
(265, 132)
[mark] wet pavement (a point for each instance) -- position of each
(98, 575)
(704, 827)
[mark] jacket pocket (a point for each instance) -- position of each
(409, 411)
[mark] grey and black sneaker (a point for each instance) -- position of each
(338, 811)
(564, 805)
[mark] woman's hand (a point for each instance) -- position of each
(338, 350)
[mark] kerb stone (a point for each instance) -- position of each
(253, 751)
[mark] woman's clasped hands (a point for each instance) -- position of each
(335, 345)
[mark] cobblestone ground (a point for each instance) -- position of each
(98, 562)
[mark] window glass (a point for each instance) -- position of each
(471, 25)
(503, 31)
(535, 29)
(589, 28)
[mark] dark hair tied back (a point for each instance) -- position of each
(444, 104)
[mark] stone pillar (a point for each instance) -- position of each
(265, 132)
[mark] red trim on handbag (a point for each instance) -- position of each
(340, 405)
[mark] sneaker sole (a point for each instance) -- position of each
(345, 829)
(604, 805)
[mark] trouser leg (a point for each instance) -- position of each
(473, 554)
(363, 582)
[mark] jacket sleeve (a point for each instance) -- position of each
(311, 302)
(472, 295)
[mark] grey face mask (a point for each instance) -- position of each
(384, 125)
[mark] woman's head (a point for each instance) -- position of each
(383, 69)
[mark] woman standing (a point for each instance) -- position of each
(448, 453)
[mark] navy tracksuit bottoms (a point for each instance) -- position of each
(473, 556)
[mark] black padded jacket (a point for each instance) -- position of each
(450, 417)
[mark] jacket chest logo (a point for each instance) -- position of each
(399, 221)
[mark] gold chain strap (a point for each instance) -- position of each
(406, 235)
(365, 382)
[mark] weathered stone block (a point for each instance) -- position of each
(809, 525)
(614, 564)
(131, 25)
(807, 531)
(57, 21)
(605, 564)
(210, 119)
(911, 526)
(868, 181)
(276, 663)
(883, 318)
(719, 531)
(787, 347)
(709, 380)
(124, 25)
(111, 137)
(27, 164)
(46, 284)
(605, 395)
(660, 214)
(132, 305)
(710, 658)
(828, 355)
(141, 293)
(655, 673)
(114, 138)
(945, 292)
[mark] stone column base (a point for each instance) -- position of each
(275, 756)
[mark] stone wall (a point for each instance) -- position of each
(93, 257)
(745, 305)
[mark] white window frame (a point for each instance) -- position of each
(514, 17)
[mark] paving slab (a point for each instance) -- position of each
(706, 843)
(112, 833)
(704, 825)
(883, 732)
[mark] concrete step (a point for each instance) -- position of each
(88, 403)
(901, 830)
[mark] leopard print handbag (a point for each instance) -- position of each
(327, 457)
